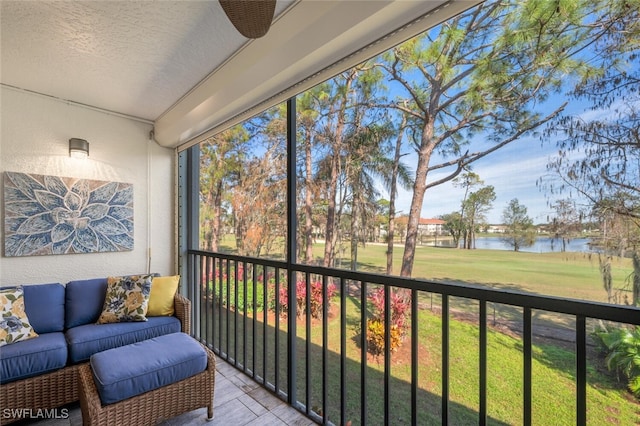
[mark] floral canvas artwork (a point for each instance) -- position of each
(46, 215)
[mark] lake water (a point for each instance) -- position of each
(542, 245)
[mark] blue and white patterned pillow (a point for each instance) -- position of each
(127, 299)
(14, 323)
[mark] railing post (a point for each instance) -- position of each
(414, 356)
(291, 250)
(363, 352)
(581, 370)
(445, 359)
(387, 350)
(527, 354)
(483, 363)
(343, 350)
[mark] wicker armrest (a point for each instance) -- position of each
(182, 307)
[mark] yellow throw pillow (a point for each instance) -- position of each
(163, 290)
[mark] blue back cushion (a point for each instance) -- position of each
(84, 301)
(44, 305)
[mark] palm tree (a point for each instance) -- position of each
(348, 97)
(364, 161)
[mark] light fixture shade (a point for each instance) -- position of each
(252, 18)
(78, 148)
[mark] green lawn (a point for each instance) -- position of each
(572, 275)
(554, 393)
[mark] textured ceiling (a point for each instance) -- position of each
(182, 66)
(132, 57)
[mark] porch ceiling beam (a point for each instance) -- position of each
(309, 43)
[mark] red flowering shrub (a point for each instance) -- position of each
(399, 310)
(315, 302)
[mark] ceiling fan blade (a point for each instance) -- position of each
(252, 18)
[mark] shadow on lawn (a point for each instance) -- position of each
(220, 329)
(554, 338)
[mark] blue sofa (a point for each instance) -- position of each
(42, 372)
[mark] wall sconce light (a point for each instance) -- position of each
(78, 148)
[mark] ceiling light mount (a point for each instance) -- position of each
(252, 18)
(78, 148)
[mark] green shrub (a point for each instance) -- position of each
(229, 300)
(622, 348)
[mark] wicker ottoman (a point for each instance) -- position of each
(155, 405)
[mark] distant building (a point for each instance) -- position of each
(497, 229)
(431, 226)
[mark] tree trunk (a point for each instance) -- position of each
(206, 237)
(419, 188)
(393, 190)
(469, 242)
(217, 212)
(330, 230)
(240, 234)
(354, 237)
(308, 202)
(330, 234)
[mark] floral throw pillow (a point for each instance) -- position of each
(14, 324)
(126, 299)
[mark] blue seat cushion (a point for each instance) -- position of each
(32, 357)
(84, 300)
(86, 340)
(131, 370)
(44, 306)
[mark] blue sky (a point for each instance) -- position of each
(513, 171)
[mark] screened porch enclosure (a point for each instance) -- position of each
(310, 230)
(317, 359)
(320, 365)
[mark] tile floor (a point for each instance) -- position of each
(238, 401)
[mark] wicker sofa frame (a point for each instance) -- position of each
(60, 387)
(150, 407)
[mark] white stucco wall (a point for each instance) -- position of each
(34, 136)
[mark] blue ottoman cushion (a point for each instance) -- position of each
(86, 340)
(33, 357)
(131, 370)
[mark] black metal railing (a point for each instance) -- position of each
(242, 309)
